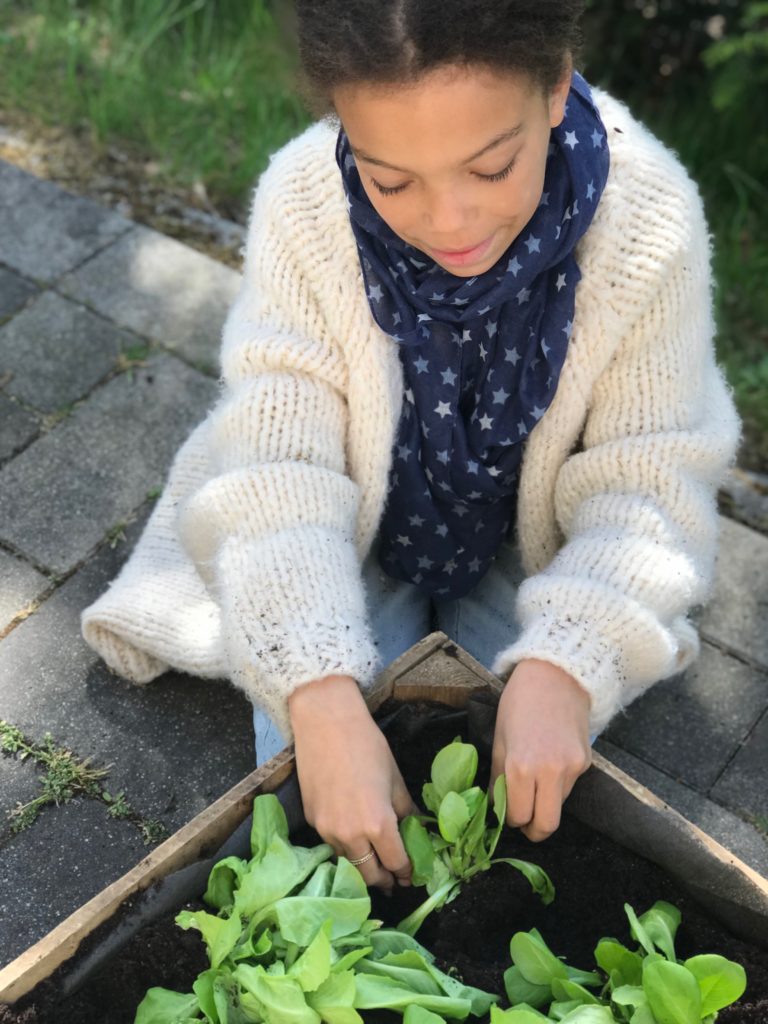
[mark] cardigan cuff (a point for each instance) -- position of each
(293, 610)
(614, 648)
(578, 650)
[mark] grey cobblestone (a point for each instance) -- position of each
(160, 289)
(742, 784)
(691, 725)
(18, 785)
(77, 849)
(17, 427)
(175, 746)
(57, 351)
(14, 292)
(45, 231)
(20, 584)
(61, 495)
(738, 612)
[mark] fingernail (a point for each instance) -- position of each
(403, 881)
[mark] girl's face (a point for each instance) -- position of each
(455, 163)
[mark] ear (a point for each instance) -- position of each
(559, 95)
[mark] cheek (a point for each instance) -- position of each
(523, 191)
(400, 213)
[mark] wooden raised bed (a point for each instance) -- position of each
(435, 669)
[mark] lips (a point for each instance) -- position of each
(463, 256)
(454, 252)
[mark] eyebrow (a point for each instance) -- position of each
(495, 141)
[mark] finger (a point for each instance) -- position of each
(372, 871)
(520, 796)
(402, 801)
(389, 846)
(548, 804)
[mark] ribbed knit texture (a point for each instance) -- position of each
(249, 567)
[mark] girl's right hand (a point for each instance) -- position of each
(351, 788)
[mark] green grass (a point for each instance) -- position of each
(204, 89)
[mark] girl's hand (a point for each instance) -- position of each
(541, 744)
(351, 788)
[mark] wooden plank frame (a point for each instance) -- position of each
(434, 669)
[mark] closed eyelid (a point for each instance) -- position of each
(502, 173)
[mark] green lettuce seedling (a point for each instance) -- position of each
(443, 859)
(292, 942)
(644, 986)
(651, 986)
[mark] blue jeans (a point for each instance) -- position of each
(482, 622)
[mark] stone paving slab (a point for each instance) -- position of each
(20, 584)
(726, 828)
(691, 725)
(14, 292)
(737, 615)
(175, 744)
(17, 427)
(60, 496)
(45, 231)
(69, 855)
(18, 784)
(160, 289)
(57, 351)
(742, 785)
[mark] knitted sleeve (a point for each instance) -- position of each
(272, 531)
(637, 505)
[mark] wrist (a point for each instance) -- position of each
(329, 696)
(536, 672)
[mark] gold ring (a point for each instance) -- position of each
(362, 860)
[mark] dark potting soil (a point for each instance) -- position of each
(593, 878)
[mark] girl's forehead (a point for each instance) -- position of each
(456, 107)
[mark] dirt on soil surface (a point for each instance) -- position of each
(593, 878)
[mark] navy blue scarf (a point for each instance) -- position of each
(481, 360)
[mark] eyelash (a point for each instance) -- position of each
(499, 176)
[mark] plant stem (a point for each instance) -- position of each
(411, 924)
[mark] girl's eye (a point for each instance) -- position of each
(499, 176)
(388, 191)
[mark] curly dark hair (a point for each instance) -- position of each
(395, 42)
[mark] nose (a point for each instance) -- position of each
(447, 218)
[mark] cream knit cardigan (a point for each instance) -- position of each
(249, 566)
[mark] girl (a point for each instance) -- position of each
(468, 383)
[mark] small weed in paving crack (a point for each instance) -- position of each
(52, 418)
(131, 357)
(116, 534)
(65, 778)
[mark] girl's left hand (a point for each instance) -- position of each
(541, 744)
